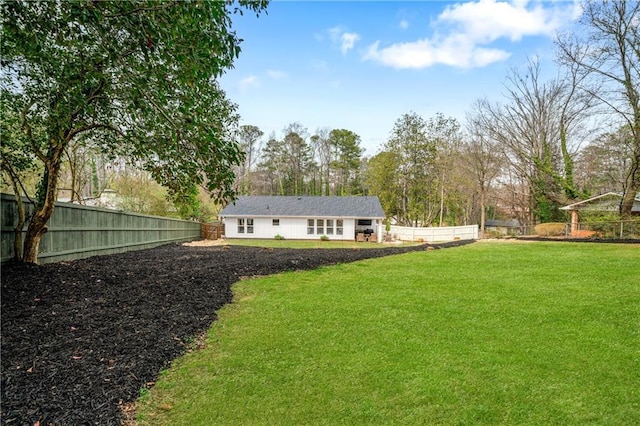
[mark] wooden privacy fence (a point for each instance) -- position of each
(76, 232)
(429, 235)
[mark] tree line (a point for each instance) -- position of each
(98, 94)
(548, 143)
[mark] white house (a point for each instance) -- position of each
(304, 217)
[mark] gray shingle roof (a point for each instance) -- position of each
(288, 206)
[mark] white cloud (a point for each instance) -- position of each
(489, 20)
(276, 75)
(248, 82)
(348, 41)
(404, 24)
(466, 31)
(345, 40)
(424, 53)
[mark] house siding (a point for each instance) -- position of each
(292, 228)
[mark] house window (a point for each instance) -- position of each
(364, 222)
(338, 226)
(309, 226)
(240, 226)
(275, 222)
(320, 227)
(329, 226)
(249, 226)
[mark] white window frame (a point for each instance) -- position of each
(329, 226)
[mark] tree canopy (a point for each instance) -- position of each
(139, 78)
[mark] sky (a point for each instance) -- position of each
(361, 65)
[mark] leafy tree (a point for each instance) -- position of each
(605, 54)
(16, 163)
(381, 179)
(138, 76)
(273, 165)
(347, 152)
(416, 155)
(323, 154)
(298, 158)
(248, 137)
(444, 132)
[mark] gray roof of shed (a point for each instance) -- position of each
(305, 206)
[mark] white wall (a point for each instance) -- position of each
(445, 233)
(291, 228)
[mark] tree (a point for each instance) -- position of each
(415, 153)
(15, 163)
(603, 164)
(606, 55)
(533, 128)
(382, 180)
(445, 134)
(323, 153)
(482, 161)
(139, 77)
(347, 152)
(298, 158)
(273, 165)
(248, 136)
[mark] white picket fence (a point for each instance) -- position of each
(429, 235)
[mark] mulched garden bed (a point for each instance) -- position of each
(81, 339)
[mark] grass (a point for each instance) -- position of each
(541, 333)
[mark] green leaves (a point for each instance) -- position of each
(137, 77)
(143, 71)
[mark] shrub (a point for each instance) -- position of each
(324, 238)
(551, 229)
(279, 237)
(493, 234)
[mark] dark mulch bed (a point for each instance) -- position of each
(80, 339)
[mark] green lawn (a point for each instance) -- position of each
(538, 333)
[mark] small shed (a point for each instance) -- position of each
(304, 217)
(609, 202)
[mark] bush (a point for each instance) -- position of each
(551, 229)
(324, 238)
(279, 237)
(493, 234)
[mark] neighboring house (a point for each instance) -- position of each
(304, 217)
(108, 199)
(504, 227)
(609, 202)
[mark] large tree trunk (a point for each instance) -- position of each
(44, 206)
(633, 187)
(483, 214)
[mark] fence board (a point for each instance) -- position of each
(76, 232)
(429, 235)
